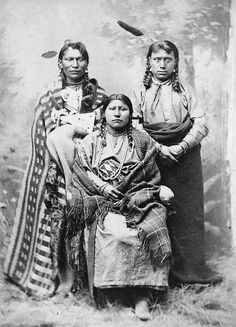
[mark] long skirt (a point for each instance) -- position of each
(120, 260)
(186, 227)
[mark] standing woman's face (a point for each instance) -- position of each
(73, 65)
(162, 64)
(117, 115)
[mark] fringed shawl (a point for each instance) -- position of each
(140, 189)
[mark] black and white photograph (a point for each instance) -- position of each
(117, 163)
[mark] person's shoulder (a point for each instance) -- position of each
(143, 137)
(98, 91)
(94, 82)
(187, 88)
(138, 87)
(54, 85)
(143, 142)
(52, 88)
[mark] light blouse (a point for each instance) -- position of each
(160, 103)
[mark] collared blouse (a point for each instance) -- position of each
(160, 103)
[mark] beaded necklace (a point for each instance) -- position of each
(117, 172)
(115, 135)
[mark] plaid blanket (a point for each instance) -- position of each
(29, 259)
(139, 203)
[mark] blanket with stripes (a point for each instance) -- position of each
(29, 260)
(140, 203)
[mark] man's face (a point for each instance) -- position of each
(73, 65)
(162, 64)
(117, 115)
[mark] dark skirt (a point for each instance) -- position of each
(186, 226)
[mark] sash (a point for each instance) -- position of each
(169, 133)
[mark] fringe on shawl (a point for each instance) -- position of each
(157, 256)
(75, 214)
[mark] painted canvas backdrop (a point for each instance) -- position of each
(28, 28)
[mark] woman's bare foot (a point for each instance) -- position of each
(142, 309)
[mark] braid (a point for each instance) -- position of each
(130, 135)
(103, 132)
(86, 77)
(175, 80)
(147, 79)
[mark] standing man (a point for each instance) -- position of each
(172, 115)
(36, 255)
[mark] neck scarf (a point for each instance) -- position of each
(157, 94)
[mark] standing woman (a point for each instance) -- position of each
(172, 115)
(35, 257)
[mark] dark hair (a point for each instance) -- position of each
(164, 45)
(84, 53)
(168, 46)
(118, 96)
(125, 100)
(74, 45)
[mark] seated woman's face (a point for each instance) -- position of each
(117, 115)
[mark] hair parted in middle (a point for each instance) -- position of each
(168, 46)
(74, 45)
(126, 100)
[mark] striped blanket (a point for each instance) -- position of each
(140, 189)
(29, 260)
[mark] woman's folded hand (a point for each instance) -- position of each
(112, 193)
(176, 150)
(167, 157)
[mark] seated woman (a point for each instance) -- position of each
(117, 223)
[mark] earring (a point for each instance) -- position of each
(67, 42)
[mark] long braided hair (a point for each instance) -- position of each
(129, 128)
(168, 47)
(89, 87)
